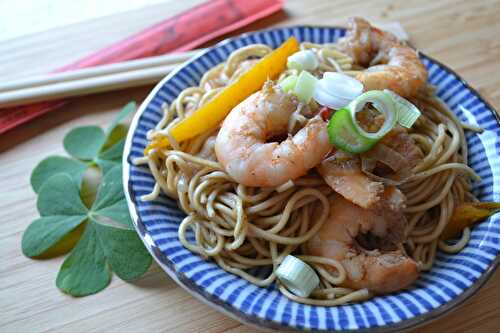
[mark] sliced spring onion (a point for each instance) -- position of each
(303, 60)
(342, 85)
(343, 133)
(336, 90)
(305, 86)
(325, 98)
(288, 83)
(384, 103)
(407, 112)
(297, 276)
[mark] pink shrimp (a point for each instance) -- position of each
(242, 148)
(342, 171)
(401, 71)
(382, 270)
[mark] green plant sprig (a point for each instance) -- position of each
(86, 214)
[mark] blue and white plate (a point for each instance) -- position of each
(453, 278)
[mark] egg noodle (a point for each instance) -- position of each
(242, 228)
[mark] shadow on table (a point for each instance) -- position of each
(155, 278)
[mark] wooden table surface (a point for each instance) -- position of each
(461, 34)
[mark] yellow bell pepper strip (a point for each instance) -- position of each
(466, 214)
(212, 113)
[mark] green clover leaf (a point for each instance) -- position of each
(85, 271)
(60, 196)
(89, 143)
(116, 131)
(47, 231)
(110, 153)
(54, 165)
(61, 211)
(84, 142)
(111, 157)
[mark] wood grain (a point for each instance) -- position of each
(461, 34)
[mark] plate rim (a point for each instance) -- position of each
(250, 319)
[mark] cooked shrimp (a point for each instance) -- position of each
(342, 171)
(401, 71)
(382, 270)
(242, 149)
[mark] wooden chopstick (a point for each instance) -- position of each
(90, 80)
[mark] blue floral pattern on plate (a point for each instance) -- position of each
(452, 279)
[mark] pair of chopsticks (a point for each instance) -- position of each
(90, 80)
